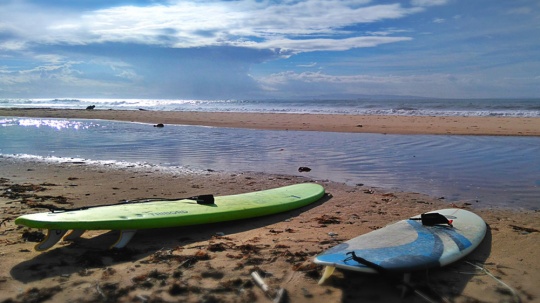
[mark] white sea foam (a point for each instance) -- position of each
(402, 107)
(112, 164)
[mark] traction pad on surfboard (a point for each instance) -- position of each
(431, 219)
(207, 199)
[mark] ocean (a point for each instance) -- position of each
(363, 106)
(486, 171)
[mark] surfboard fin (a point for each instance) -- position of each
(74, 235)
(125, 237)
(405, 284)
(328, 271)
(53, 236)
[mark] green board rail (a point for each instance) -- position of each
(171, 213)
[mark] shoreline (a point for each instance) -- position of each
(281, 247)
(407, 125)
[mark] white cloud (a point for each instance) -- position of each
(54, 80)
(428, 2)
(524, 10)
(288, 46)
(435, 85)
(387, 32)
(312, 64)
(50, 58)
(296, 26)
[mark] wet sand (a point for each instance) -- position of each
(212, 263)
(500, 126)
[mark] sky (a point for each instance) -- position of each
(261, 49)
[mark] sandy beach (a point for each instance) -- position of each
(500, 126)
(212, 263)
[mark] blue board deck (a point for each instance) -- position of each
(408, 245)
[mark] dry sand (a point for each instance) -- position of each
(212, 263)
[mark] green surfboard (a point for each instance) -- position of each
(129, 217)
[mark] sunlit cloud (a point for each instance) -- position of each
(312, 64)
(287, 25)
(433, 85)
(523, 10)
(428, 2)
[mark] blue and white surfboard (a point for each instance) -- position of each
(408, 245)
